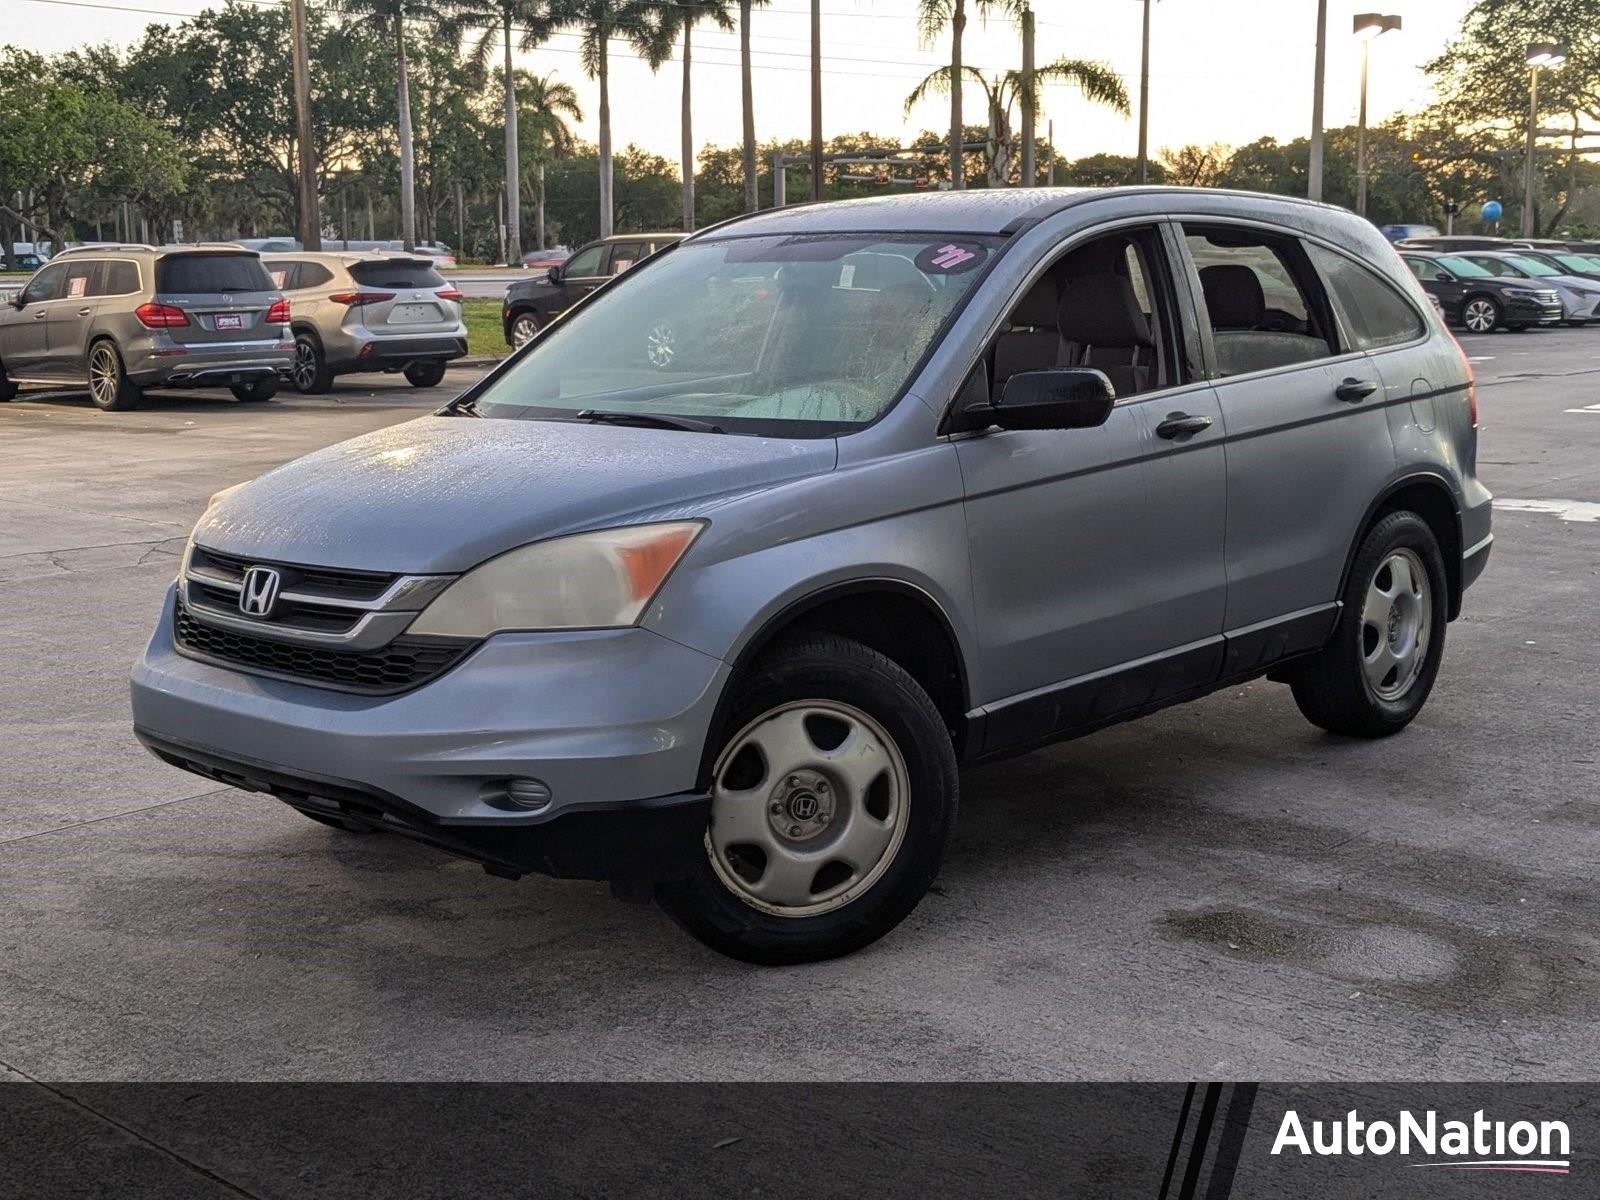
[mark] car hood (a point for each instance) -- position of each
(441, 494)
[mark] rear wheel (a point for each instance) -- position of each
(109, 386)
(1480, 314)
(309, 374)
(256, 390)
(833, 797)
(1376, 672)
(424, 374)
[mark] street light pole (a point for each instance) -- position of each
(1144, 98)
(1314, 168)
(1367, 26)
(816, 99)
(1030, 116)
(1540, 54)
(310, 230)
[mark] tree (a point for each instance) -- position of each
(1108, 170)
(1096, 81)
(545, 104)
(531, 21)
(681, 16)
(752, 200)
(599, 21)
(1193, 165)
(933, 17)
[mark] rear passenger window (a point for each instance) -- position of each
(82, 278)
(1375, 314)
(1262, 300)
(313, 275)
(284, 275)
(121, 279)
(211, 274)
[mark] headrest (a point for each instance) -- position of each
(1101, 310)
(1233, 296)
(1038, 307)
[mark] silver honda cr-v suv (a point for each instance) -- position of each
(928, 481)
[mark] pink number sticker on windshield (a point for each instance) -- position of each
(950, 258)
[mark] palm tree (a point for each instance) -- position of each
(1096, 81)
(546, 103)
(752, 199)
(681, 16)
(638, 22)
(932, 18)
(393, 14)
(498, 19)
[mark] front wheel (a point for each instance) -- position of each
(833, 795)
(523, 327)
(1376, 671)
(109, 386)
(257, 390)
(1480, 314)
(424, 374)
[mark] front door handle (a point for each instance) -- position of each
(1180, 425)
(41, 314)
(1354, 391)
(84, 312)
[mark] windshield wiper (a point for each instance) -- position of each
(461, 408)
(648, 420)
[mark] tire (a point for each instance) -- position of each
(892, 793)
(261, 389)
(524, 325)
(109, 386)
(424, 374)
(309, 374)
(1480, 314)
(1396, 601)
(8, 390)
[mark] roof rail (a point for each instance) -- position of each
(102, 248)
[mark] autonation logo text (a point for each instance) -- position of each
(1476, 1145)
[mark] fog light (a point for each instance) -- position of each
(526, 793)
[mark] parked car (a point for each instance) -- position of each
(1571, 263)
(1397, 233)
(1579, 296)
(531, 304)
(126, 318)
(28, 262)
(725, 631)
(1452, 243)
(368, 311)
(1475, 297)
(543, 260)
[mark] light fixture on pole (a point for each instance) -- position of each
(1367, 26)
(1540, 54)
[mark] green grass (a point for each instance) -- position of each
(484, 333)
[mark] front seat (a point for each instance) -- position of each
(1031, 342)
(1100, 319)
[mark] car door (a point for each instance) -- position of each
(67, 327)
(1097, 553)
(26, 348)
(1309, 446)
(580, 275)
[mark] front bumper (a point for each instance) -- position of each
(1519, 309)
(609, 721)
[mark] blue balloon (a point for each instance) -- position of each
(1492, 211)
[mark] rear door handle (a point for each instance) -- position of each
(41, 314)
(84, 312)
(1354, 391)
(1182, 425)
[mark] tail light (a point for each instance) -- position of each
(449, 294)
(278, 314)
(353, 298)
(1472, 383)
(161, 316)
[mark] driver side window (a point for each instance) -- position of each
(46, 285)
(585, 264)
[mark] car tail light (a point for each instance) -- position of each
(1472, 383)
(278, 314)
(161, 316)
(353, 298)
(449, 294)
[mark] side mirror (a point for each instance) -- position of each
(554, 274)
(19, 301)
(1061, 398)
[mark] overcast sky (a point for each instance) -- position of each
(1221, 70)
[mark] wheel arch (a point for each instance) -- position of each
(1430, 496)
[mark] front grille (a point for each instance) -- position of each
(403, 664)
(334, 585)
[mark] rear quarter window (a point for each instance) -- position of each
(121, 279)
(209, 274)
(402, 274)
(1374, 312)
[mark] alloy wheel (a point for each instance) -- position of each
(523, 329)
(304, 370)
(1396, 622)
(105, 375)
(808, 808)
(1479, 316)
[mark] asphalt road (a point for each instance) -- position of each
(1219, 890)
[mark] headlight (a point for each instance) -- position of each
(1521, 293)
(587, 581)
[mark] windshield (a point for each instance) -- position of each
(1463, 268)
(1580, 263)
(784, 336)
(1530, 266)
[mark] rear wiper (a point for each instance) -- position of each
(648, 420)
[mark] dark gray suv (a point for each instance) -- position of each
(125, 318)
(929, 481)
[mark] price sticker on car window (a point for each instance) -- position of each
(78, 286)
(951, 258)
